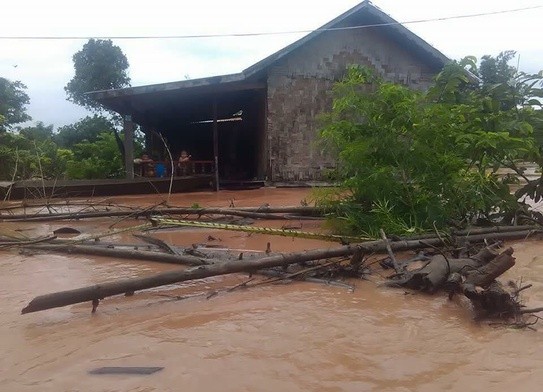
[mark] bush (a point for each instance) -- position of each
(410, 161)
(23, 158)
(99, 159)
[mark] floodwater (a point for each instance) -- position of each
(295, 337)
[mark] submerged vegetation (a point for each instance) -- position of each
(413, 161)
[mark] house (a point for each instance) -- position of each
(262, 122)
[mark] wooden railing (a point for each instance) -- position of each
(195, 167)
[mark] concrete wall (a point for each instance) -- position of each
(299, 89)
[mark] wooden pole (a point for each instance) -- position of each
(389, 251)
(128, 129)
(247, 212)
(216, 143)
(99, 291)
(130, 254)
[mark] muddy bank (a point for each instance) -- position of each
(286, 337)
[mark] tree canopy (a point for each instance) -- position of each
(87, 129)
(98, 159)
(38, 132)
(30, 153)
(99, 65)
(13, 101)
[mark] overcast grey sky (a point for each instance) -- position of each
(46, 66)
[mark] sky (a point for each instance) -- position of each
(45, 66)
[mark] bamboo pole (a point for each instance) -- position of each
(258, 230)
(494, 229)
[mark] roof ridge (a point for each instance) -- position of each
(364, 5)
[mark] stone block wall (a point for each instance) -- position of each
(299, 90)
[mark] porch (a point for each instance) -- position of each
(220, 122)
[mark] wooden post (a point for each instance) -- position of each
(128, 129)
(266, 141)
(216, 143)
(148, 134)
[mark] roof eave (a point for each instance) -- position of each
(401, 29)
(154, 88)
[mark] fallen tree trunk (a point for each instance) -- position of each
(472, 231)
(377, 246)
(486, 274)
(492, 301)
(475, 278)
(302, 210)
(432, 277)
(512, 235)
(486, 294)
(435, 274)
(99, 291)
(493, 229)
(479, 270)
(131, 254)
(367, 247)
(255, 213)
(157, 242)
(130, 285)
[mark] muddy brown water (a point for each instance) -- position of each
(295, 337)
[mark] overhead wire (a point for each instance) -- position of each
(262, 33)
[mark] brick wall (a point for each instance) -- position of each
(299, 89)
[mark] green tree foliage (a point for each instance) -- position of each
(99, 65)
(99, 159)
(412, 160)
(13, 101)
(87, 128)
(33, 152)
(23, 158)
(38, 132)
(24, 152)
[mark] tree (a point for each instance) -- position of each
(505, 83)
(23, 158)
(412, 160)
(495, 70)
(13, 100)
(38, 132)
(24, 152)
(99, 65)
(99, 159)
(86, 129)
